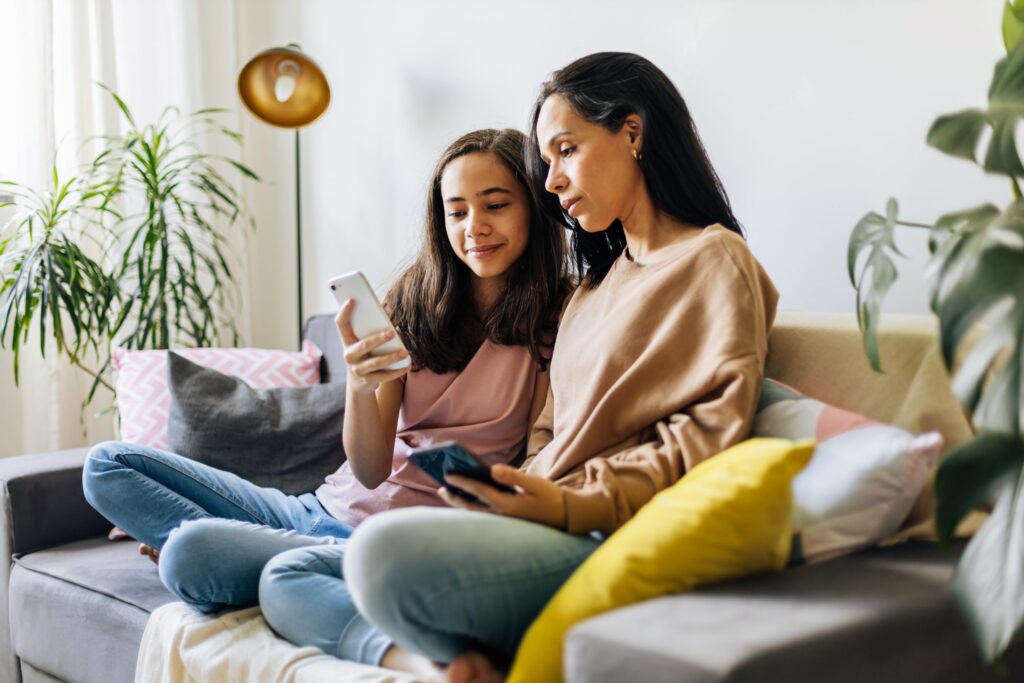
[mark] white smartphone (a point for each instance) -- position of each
(368, 316)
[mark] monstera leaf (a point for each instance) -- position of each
(976, 277)
(874, 234)
(952, 242)
(989, 580)
(981, 282)
(975, 280)
(1013, 23)
(959, 134)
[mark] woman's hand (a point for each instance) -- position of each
(536, 499)
(366, 372)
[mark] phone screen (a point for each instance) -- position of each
(451, 457)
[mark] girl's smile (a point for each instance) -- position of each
(483, 250)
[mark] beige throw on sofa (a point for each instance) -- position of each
(181, 645)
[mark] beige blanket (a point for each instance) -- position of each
(182, 646)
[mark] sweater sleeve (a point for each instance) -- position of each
(616, 486)
(543, 430)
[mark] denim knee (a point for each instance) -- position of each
(185, 560)
(99, 460)
(382, 566)
(277, 601)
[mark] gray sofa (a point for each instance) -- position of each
(73, 605)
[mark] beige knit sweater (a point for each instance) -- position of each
(656, 369)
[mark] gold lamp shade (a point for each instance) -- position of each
(284, 87)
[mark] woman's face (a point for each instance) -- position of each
(590, 168)
(486, 213)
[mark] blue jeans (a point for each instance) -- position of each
(225, 542)
(442, 581)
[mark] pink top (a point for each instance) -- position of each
(486, 408)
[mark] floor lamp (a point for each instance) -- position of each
(285, 88)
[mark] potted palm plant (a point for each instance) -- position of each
(975, 281)
(132, 251)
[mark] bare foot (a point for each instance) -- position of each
(473, 667)
(425, 670)
(151, 553)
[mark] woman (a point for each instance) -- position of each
(476, 310)
(657, 367)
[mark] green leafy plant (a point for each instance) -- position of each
(47, 273)
(975, 280)
(132, 251)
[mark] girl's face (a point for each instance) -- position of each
(590, 168)
(486, 213)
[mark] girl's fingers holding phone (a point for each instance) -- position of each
(343, 321)
(375, 368)
(381, 376)
(361, 348)
(375, 364)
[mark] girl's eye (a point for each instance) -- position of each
(456, 214)
(567, 151)
(495, 207)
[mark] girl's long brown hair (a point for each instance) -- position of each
(431, 302)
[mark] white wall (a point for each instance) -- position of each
(813, 113)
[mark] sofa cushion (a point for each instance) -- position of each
(288, 438)
(863, 479)
(822, 355)
(143, 400)
(79, 610)
(881, 615)
(30, 674)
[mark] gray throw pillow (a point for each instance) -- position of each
(286, 438)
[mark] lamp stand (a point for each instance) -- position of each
(298, 234)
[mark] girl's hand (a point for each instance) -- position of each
(536, 499)
(366, 372)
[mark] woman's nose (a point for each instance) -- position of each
(555, 182)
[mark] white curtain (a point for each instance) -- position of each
(154, 53)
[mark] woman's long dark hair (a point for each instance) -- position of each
(604, 88)
(431, 302)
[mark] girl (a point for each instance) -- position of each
(476, 312)
(657, 367)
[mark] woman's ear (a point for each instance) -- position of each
(634, 127)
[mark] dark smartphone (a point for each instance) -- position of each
(450, 457)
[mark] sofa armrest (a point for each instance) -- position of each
(42, 503)
(885, 614)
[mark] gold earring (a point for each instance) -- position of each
(637, 155)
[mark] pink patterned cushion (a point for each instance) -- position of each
(144, 401)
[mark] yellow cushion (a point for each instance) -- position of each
(728, 517)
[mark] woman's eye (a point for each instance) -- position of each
(567, 151)
(456, 214)
(495, 207)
